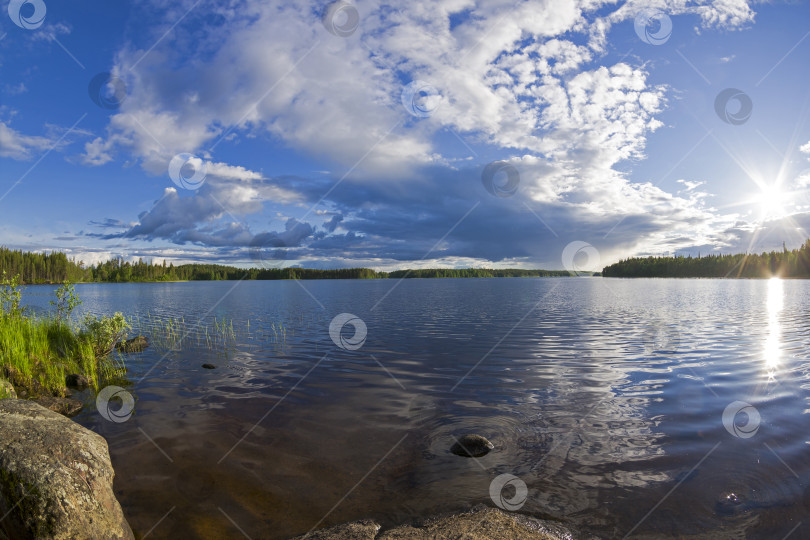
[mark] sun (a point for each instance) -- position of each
(772, 202)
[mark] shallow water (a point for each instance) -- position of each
(605, 397)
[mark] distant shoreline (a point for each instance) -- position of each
(784, 264)
(548, 273)
(595, 275)
(55, 268)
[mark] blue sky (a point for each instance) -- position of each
(333, 134)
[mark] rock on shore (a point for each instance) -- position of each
(7, 390)
(65, 406)
(55, 478)
(480, 523)
(134, 345)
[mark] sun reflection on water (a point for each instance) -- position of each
(772, 342)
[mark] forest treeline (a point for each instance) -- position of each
(786, 263)
(474, 273)
(41, 267)
(57, 267)
(120, 271)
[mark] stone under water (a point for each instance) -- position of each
(472, 446)
(479, 523)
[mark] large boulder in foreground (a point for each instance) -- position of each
(480, 523)
(55, 478)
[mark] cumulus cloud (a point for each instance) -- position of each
(407, 224)
(214, 215)
(274, 69)
(524, 79)
(97, 152)
(726, 13)
(332, 224)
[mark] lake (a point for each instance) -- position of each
(641, 407)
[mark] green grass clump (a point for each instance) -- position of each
(38, 353)
(174, 334)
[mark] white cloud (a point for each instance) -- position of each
(690, 186)
(281, 73)
(97, 152)
(726, 13)
(50, 32)
(805, 148)
(16, 145)
(802, 181)
(15, 89)
(523, 79)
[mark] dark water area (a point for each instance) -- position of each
(613, 400)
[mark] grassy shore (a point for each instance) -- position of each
(38, 353)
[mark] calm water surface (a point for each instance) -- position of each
(606, 397)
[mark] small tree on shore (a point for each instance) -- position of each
(10, 295)
(105, 332)
(66, 301)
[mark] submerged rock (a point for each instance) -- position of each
(472, 446)
(480, 523)
(64, 406)
(364, 529)
(136, 344)
(55, 478)
(7, 390)
(209, 366)
(729, 503)
(79, 382)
